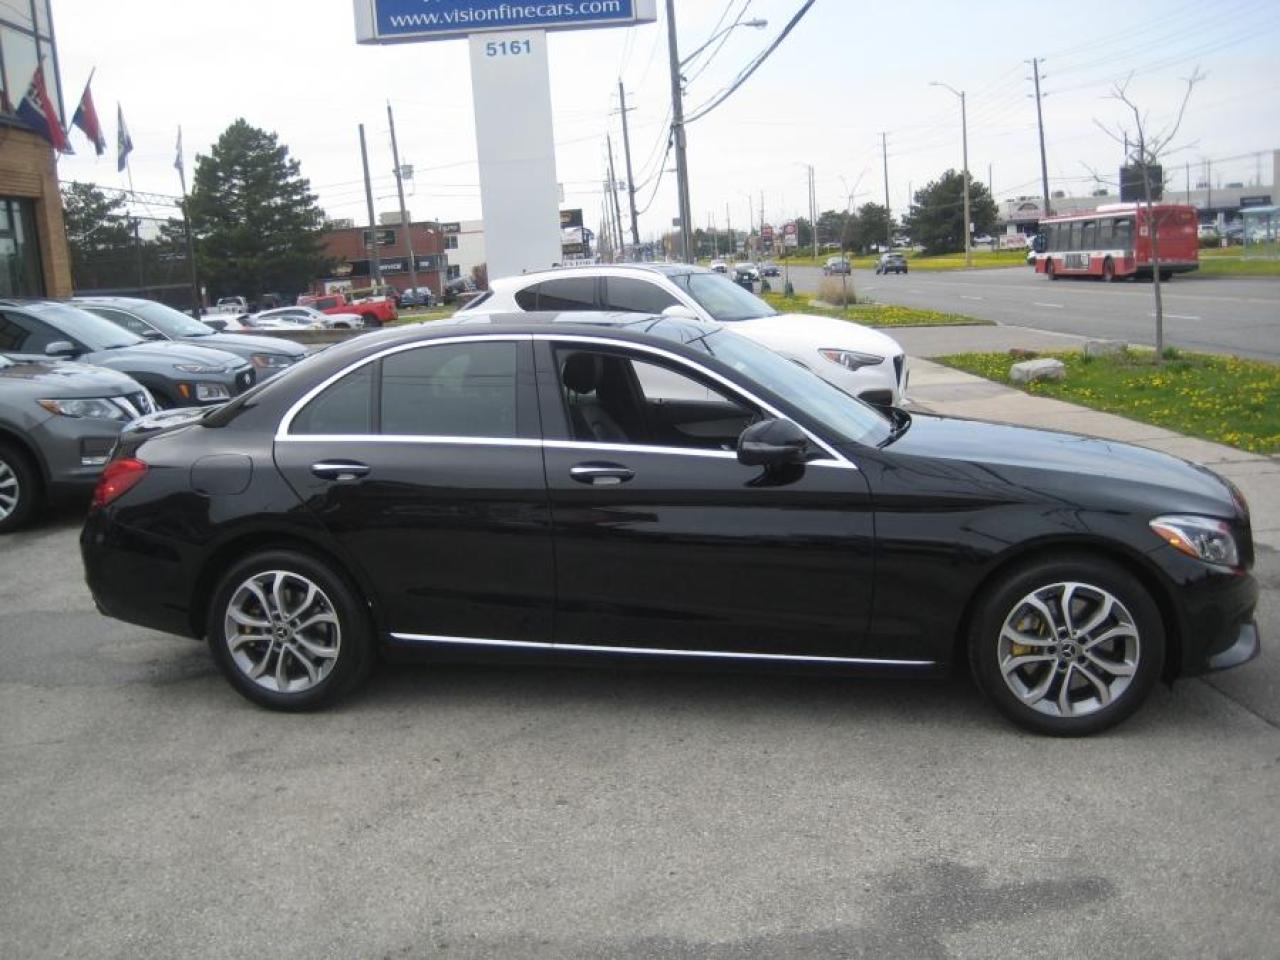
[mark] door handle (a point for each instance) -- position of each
(601, 474)
(339, 470)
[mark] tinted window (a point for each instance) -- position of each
(130, 323)
(635, 296)
(346, 407)
(569, 293)
(73, 323)
(451, 390)
(20, 334)
(1089, 235)
(1123, 231)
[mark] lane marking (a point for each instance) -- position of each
(962, 297)
(1055, 306)
(1174, 316)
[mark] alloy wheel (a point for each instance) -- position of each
(282, 631)
(1068, 649)
(10, 490)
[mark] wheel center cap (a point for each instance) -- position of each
(281, 632)
(1069, 651)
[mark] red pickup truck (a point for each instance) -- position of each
(376, 311)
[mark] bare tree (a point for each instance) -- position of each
(1145, 149)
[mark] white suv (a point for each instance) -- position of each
(860, 361)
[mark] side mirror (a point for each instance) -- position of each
(154, 335)
(680, 312)
(60, 348)
(772, 443)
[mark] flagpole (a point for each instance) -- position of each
(196, 304)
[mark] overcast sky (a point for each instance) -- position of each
(847, 72)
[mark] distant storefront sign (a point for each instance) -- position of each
(790, 235)
(570, 218)
(361, 268)
(386, 238)
(1259, 201)
(395, 21)
(453, 227)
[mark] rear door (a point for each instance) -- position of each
(425, 465)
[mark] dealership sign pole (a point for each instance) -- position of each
(511, 89)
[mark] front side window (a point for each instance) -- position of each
(629, 295)
(451, 390)
(128, 321)
(611, 397)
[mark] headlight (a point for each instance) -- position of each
(1200, 537)
(212, 391)
(97, 408)
(851, 359)
(271, 361)
(198, 368)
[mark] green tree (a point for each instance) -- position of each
(937, 219)
(831, 224)
(100, 236)
(256, 222)
(874, 226)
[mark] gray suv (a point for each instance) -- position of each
(177, 374)
(58, 424)
(157, 321)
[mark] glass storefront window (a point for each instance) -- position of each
(20, 273)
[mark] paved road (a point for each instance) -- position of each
(147, 811)
(1215, 314)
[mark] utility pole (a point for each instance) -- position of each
(964, 141)
(631, 183)
(404, 215)
(1044, 163)
(677, 131)
(613, 195)
(375, 262)
(813, 212)
(1188, 188)
(197, 302)
(888, 217)
(728, 226)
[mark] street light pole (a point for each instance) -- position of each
(404, 215)
(677, 131)
(964, 139)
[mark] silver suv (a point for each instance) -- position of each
(58, 424)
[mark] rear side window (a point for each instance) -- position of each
(453, 390)
(567, 293)
(345, 407)
(635, 296)
(128, 321)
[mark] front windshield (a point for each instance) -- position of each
(844, 416)
(722, 298)
(91, 330)
(171, 322)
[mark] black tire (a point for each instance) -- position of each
(1093, 577)
(21, 489)
(353, 640)
(1108, 270)
(1166, 276)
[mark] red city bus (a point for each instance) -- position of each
(1114, 241)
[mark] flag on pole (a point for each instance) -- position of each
(177, 161)
(124, 145)
(86, 118)
(36, 110)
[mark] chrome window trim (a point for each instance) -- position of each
(711, 374)
(282, 429)
(653, 651)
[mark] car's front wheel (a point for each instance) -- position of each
(19, 488)
(1068, 646)
(288, 632)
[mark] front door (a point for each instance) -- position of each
(426, 467)
(666, 543)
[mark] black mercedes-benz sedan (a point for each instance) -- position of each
(635, 488)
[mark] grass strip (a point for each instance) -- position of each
(1225, 399)
(874, 314)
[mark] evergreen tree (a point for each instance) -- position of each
(257, 226)
(937, 220)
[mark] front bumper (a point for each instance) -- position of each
(1247, 646)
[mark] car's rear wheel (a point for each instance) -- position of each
(288, 632)
(1068, 646)
(19, 487)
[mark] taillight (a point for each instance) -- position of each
(119, 477)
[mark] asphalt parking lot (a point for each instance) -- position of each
(147, 811)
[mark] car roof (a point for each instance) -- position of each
(601, 270)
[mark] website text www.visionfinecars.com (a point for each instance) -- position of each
(519, 13)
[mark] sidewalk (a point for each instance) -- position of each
(938, 389)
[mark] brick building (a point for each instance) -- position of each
(349, 246)
(34, 260)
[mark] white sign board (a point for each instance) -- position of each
(404, 21)
(517, 152)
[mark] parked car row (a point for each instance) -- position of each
(74, 373)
